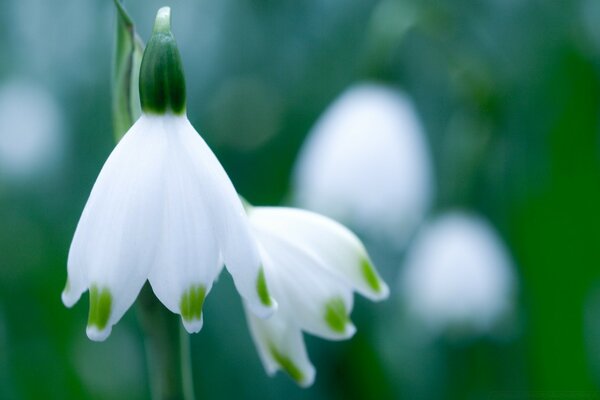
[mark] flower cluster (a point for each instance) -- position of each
(163, 210)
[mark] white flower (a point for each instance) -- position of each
(458, 274)
(366, 163)
(162, 209)
(312, 266)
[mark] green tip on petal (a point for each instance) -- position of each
(100, 307)
(162, 84)
(336, 315)
(368, 272)
(261, 288)
(287, 365)
(191, 303)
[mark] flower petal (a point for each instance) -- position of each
(187, 260)
(281, 346)
(338, 249)
(113, 247)
(238, 248)
(306, 291)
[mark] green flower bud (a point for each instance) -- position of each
(162, 84)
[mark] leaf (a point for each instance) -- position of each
(129, 49)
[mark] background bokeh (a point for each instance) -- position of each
(508, 93)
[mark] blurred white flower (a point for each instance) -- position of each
(31, 130)
(312, 265)
(458, 274)
(366, 163)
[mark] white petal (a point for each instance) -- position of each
(281, 346)
(339, 250)
(238, 248)
(306, 291)
(113, 247)
(187, 260)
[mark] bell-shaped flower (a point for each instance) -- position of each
(366, 163)
(162, 209)
(312, 265)
(458, 275)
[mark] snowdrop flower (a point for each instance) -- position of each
(162, 209)
(312, 265)
(366, 163)
(458, 274)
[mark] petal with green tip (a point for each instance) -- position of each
(261, 288)
(370, 275)
(190, 306)
(302, 286)
(281, 347)
(336, 315)
(187, 257)
(338, 249)
(115, 241)
(100, 310)
(230, 224)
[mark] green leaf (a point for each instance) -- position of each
(129, 49)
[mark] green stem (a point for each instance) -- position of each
(167, 349)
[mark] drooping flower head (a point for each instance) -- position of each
(312, 265)
(458, 274)
(162, 209)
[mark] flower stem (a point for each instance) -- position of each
(167, 349)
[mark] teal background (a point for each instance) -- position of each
(518, 82)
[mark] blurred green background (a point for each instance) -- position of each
(508, 92)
